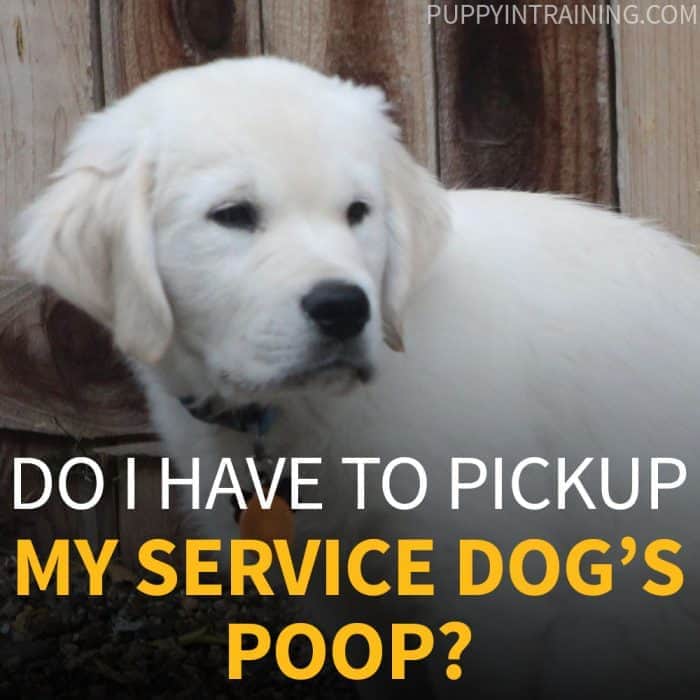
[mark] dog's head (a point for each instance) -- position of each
(252, 216)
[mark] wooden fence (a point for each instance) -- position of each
(607, 113)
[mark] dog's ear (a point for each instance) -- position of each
(418, 223)
(89, 236)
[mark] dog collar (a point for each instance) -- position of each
(256, 419)
(250, 417)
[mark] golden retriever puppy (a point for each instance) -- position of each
(286, 280)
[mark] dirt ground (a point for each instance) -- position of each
(127, 645)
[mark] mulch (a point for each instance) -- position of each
(127, 645)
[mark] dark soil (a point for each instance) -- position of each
(127, 645)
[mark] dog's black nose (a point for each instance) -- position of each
(339, 309)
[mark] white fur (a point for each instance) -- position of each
(543, 327)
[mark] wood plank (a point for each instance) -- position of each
(525, 106)
(376, 42)
(658, 99)
(47, 85)
(142, 39)
(54, 519)
(58, 371)
(148, 520)
(109, 519)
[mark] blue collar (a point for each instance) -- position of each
(250, 417)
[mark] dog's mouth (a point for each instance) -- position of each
(337, 373)
(326, 372)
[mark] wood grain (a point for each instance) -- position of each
(47, 84)
(658, 98)
(142, 39)
(376, 42)
(108, 519)
(148, 520)
(525, 106)
(58, 371)
(54, 519)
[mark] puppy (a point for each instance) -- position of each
(285, 278)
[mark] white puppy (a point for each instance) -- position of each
(252, 232)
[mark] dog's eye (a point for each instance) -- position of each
(356, 212)
(242, 215)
